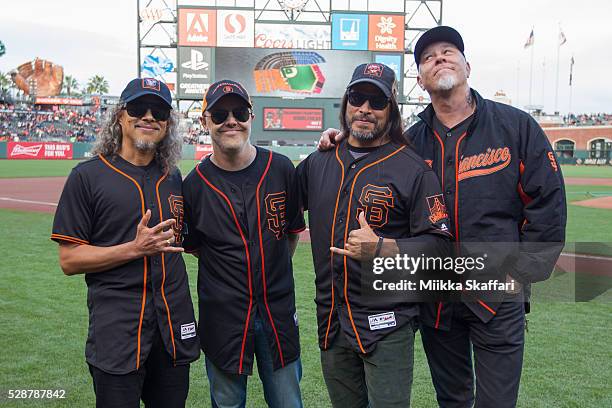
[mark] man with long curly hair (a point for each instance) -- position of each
(119, 221)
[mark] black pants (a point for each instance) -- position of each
(158, 383)
(498, 358)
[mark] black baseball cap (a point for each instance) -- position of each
(146, 86)
(222, 88)
(434, 35)
(375, 73)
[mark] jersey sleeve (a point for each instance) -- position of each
(295, 214)
(542, 192)
(428, 213)
(301, 183)
(73, 217)
(191, 241)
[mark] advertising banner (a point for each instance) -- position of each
(194, 71)
(58, 101)
(33, 151)
(293, 119)
(350, 31)
(393, 61)
(310, 37)
(156, 65)
(202, 150)
(235, 28)
(386, 32)
(290, 73)
(197, 27)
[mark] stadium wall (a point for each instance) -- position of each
(81, 151)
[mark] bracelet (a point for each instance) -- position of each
(378, 246)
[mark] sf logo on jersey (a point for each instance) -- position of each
(176, 208)
(276, 213)
(375, 202)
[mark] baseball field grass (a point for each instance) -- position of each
(43, 322)
(55, 168)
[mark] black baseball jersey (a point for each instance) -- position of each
(502, 183)
(244, 267)
(401, 198)
(103, 201)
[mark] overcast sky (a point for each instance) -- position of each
(88, 38)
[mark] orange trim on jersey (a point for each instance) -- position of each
(524, 197)
(331, 259)
(438, 315)
(457, 185)
(263, 262)
(144, 284)
(248, 257)
(348, 217)
(163, 262)
(483, 304)
(69, 239)
(442, 161)
(297, 231)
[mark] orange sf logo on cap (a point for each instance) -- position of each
(228, 88)
(374, 70)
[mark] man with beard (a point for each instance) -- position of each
(119, 221)
(243, 220)
(371, 196)
(501, 179)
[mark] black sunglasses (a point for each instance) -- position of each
(139, 109)
(219, 116)
(377, 102)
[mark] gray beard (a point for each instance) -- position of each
(377, 133)
(145, 146)
(447, 82)
(365, 135)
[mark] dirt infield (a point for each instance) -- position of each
(588, 181)
(604, 203)
(31, 194)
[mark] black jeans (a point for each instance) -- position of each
(498, 357)
(380, 379)
(158, 383)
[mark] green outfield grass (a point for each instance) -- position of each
(55, 168)
(52, 168)
(43, 320)
(43, 326)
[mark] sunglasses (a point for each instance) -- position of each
(377, 102)
(219, 116)
(139, 109)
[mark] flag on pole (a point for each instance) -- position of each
(530, 40)
(562, 38)
(571, 70)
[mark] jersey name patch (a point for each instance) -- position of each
(375, 202)
(276, 212)
(176, 208)
(188, 330)
(382, 321)
(489, 162)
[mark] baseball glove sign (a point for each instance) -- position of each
(39, 77)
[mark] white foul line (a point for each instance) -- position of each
(17, 200)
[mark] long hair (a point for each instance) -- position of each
(168, 151)
(394, 127)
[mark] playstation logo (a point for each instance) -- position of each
(196, 63)
(349, 29)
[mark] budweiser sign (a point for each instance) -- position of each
(20, 150)
(49, 151)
